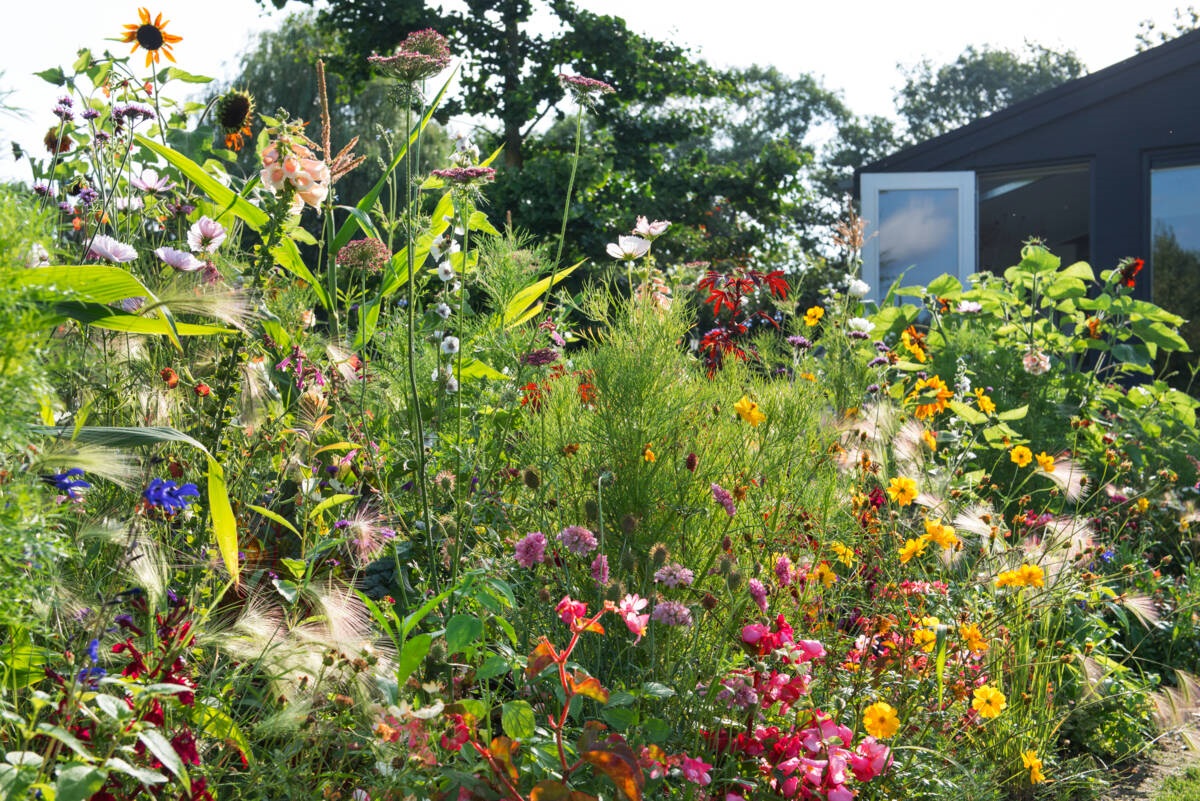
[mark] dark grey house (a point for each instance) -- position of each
(1101, 168)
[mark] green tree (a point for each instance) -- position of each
(936, 99)
(1184, 20)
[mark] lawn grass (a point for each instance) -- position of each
(1185, 787)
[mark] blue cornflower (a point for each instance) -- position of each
(68, 483)
(169, 496)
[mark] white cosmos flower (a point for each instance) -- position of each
(628, 248)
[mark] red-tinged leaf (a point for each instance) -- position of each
(617, 761)
(542, 656)
(595, 626)
(590, 738)
(549, 790)
(777, 283)
(583, 684)
(577, 795)
(503, 750)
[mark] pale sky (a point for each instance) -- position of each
(854, 48)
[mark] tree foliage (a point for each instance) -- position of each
(936, 99)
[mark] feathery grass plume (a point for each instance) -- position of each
(346, 363)
(1141, 607)
(230, 306)
(908, 446)
(1069, 476)
(95, 461)
(256, 391)
(148, 569)
(1178, 708)
(155, 405)
(1063, 541)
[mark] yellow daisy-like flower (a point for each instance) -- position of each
(930, 439)
(1045, 461)
(813, 316)
(1034, 766)
(647, 453)
(1031, 576)
(845, 554)
(913, 548)
(925, 639)
(748, 410)
(1142, 504)
(151, 37)
(972, 637)
(931, 395)
(984, 403)
(989, 702)
(943, 536)
(902, 490)
(824, 574)
(1021, 455)
(879, 720)
(914, 343)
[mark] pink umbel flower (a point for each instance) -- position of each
(531, 549)
(600, 570)
(578, 540)
(674, 575)
(109, 249)
(722, 496)
(421, 55)
(205, 235)
(628, 609)
(584, 89)
(179, 259)
(571, 610)
(695, 770)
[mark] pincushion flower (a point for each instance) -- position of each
(859, 328)
(879, 720)
(672, 613)
(109, 249)
(578, 540)
(151, 37)
(988, 701)
(1020, 456)
(421, 55)
(902, 490)
(531, 549)
(722, 496)
(205, 235)
(628, 248)
(857, 288)
(748, 410)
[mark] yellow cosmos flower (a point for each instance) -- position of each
(913, 548)
(879, 720)
(984, 402)
(1032, 576)
(813, 316)
(931, 395)
(989, 702)
(648, 453)
(824, 574)
(925, 639)
(930, 439)
(151, 37)
(748, 410)
(1045, 461)
(845, 554)
(1021, 455)
(972, 638)
(902, 490)
(1034, 766)
(1142, 504)
(942, 536)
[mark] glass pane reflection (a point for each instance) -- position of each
(918, 229)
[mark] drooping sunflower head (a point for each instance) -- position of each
(234, 112)
(151, 37)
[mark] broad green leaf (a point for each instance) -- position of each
(146, 776)
(620, 718)
(328, 503)
(461, 631)
(517, 720)
(411, 655)
(479, 222)
(176, 74)
(164, 752)
(653, 689)
(1081, 270)
(78, 782)
(1014, 414)
(272, 516)
(297, 567)
(473, 368)
(945, 286)
(520, 303)
(98, 315)
(66, 738)
(54, 75)
(288, 590)
(495, 665)
(216, 724)
(967, 413)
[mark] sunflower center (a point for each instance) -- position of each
(234, 112)
(149, 37)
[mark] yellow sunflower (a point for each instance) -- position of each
(151, 37)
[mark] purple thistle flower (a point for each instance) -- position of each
(578, 540)
(531, 549)
(540, 357)
(88, 196)
(672, 613)
(466, 175)
(799, 342)
(91, 114)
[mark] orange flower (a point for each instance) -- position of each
(931, 395)
(151, 37)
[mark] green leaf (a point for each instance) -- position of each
(473, 368)
(216, 724)
(652, 689)
(478, 221)
(144, 775)
(66, 738)
(495, 665)
(945, 286)
(164, 752)
(297, 567)
(288, 590)
(969, 414)
(78, 782)
(176, 74)
(98, 315)
(1014, 414)
(461, 631)
(273, 517)
(54, 75)
(411, 655)
(656, 730)
(331, 501)
(521, 302)
(620, 718)
(1081, 270)
(517, 720)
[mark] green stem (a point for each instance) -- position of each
(562, 233)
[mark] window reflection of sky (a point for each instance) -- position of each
(918, 228)
(1175, 203)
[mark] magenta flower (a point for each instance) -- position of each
(531, 549)
(585, 90)
(628, 609)
(570, 610)
(179, 259)
(758, 591)
(695, 770)
(205, 235)
(671, 613)
(421, 55)
(784, 571)
(109, 249)
(600, 570)
(870, 759)
(722, 496)
(808, 650)
(578, 540)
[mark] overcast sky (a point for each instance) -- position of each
(853, 47)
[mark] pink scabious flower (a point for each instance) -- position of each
(722, 496)
(584, 89)
(628, 609)
(784, 571)
(600, 570)
(179, 259)
(205, 235)
(578, 540)
(1035, 362)
(758, 592)
(421, 55)
(695, 770)
(650, 230)
(628, 248)
(671, 613)
(674, 575)
(571, 610)
(531, 549)
(109, 249)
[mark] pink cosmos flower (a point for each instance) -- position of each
(179, 259)
(150, 181)
(109, 249)
(650, 230)
(696, 770)
(531, 549)
(205, 235)
(628, 248)
(628, 609)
